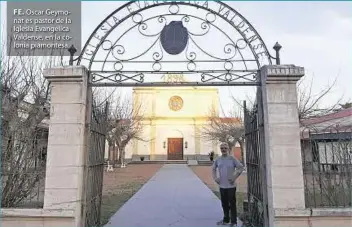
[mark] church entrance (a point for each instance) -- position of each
(175, 148)
(213, 45)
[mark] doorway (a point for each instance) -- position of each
(175, 149)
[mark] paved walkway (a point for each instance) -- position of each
(174, 196)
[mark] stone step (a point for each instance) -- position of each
(205, 163)
(159, 162)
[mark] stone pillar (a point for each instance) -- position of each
(67, 145)
(284, 174)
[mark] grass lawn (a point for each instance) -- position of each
(121, 185)
(204, 173)
(240, 197)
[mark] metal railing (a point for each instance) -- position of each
(254, 162)
(95, 166)
(327, 169)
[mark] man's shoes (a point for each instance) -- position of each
(233, 224)
(222, 223)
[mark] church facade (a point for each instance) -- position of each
(173, 118)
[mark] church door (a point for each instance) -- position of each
(175, 149)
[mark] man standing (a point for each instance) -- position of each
(229, 170)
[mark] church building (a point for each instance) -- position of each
(173, 118)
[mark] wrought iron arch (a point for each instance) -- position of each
(243, 54)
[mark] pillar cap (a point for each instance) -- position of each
(66, 74)
(281, 73)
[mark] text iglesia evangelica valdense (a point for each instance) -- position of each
(250, 37)
(51, 29)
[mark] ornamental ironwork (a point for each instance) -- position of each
(207, 41)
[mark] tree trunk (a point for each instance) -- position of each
(242, 153)
(231, 146)
(122, 157)
(110, 153)
(116, 155)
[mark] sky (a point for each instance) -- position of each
(315, 35)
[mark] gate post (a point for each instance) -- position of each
(67, 145)
(283, 162)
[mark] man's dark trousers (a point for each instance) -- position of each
(228, 202)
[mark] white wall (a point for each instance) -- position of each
(143, 148)
(197, 103)
(206, 147)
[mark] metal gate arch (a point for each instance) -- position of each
(111, 62)
(108, 66)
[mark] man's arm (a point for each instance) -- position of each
(238, 168)
(215, 165)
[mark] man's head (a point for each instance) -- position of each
(224, 147)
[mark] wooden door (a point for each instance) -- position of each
(175, 149)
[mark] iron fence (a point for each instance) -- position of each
(327, 169)
(254, 162)
(95, 166)
(23, 168)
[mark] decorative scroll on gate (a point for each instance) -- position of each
(95, 165)
(208, 41)
(255, 157)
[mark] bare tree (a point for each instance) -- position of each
(310, 104)
(346, 105)
(25, 106)
(227, 129)
(326, 146)
(125, 124)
